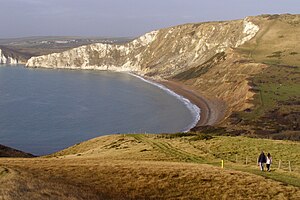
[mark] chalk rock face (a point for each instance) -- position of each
(4, 59)
(162, 53)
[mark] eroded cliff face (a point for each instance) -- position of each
(5, 59)
(162, 53)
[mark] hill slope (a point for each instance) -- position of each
(155, 167)
(10, 152)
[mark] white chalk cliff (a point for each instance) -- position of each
(162, 53)
(7, 59)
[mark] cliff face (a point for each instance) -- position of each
(6, 59)
(161, 53)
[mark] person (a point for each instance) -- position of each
(261, 160)
(268, 161)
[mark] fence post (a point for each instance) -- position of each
(222, 164)
(236, 158)
(290, 168)
(246, 160)
(279, 164)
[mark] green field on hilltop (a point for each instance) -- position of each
(276, 42)
(276, 103)
(276, 108)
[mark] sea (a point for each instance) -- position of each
(46, 110)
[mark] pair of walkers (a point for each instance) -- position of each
(263, 159)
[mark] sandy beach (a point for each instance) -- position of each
(212, 110)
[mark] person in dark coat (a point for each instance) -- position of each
(261, 160)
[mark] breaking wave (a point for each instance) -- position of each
(195, 110)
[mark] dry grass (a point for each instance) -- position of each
(161, 147)
(22, 184)
(155, 180)
(149, 167)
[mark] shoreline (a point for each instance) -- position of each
(212, 110)
(192, 107)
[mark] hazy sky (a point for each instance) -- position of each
(123, 17)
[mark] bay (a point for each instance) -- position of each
(43, 111)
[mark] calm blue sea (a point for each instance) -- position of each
(43, 111)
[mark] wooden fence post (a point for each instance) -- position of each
(246, 160)
(222, 164)
(279, 164)
(290, 168)
(236, 158)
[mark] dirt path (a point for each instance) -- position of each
(170, 150)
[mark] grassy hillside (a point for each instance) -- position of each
(192, 148)
(259, 81)
(276, 43)
(150, 166)
(276, 108)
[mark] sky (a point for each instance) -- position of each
(123, 18)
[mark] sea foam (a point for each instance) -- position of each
(195, 110)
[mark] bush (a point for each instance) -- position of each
(178, 135)
(201, 137)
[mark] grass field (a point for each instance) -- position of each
(148, 166)
(277, 107)
(276, 42)
(189, 147)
